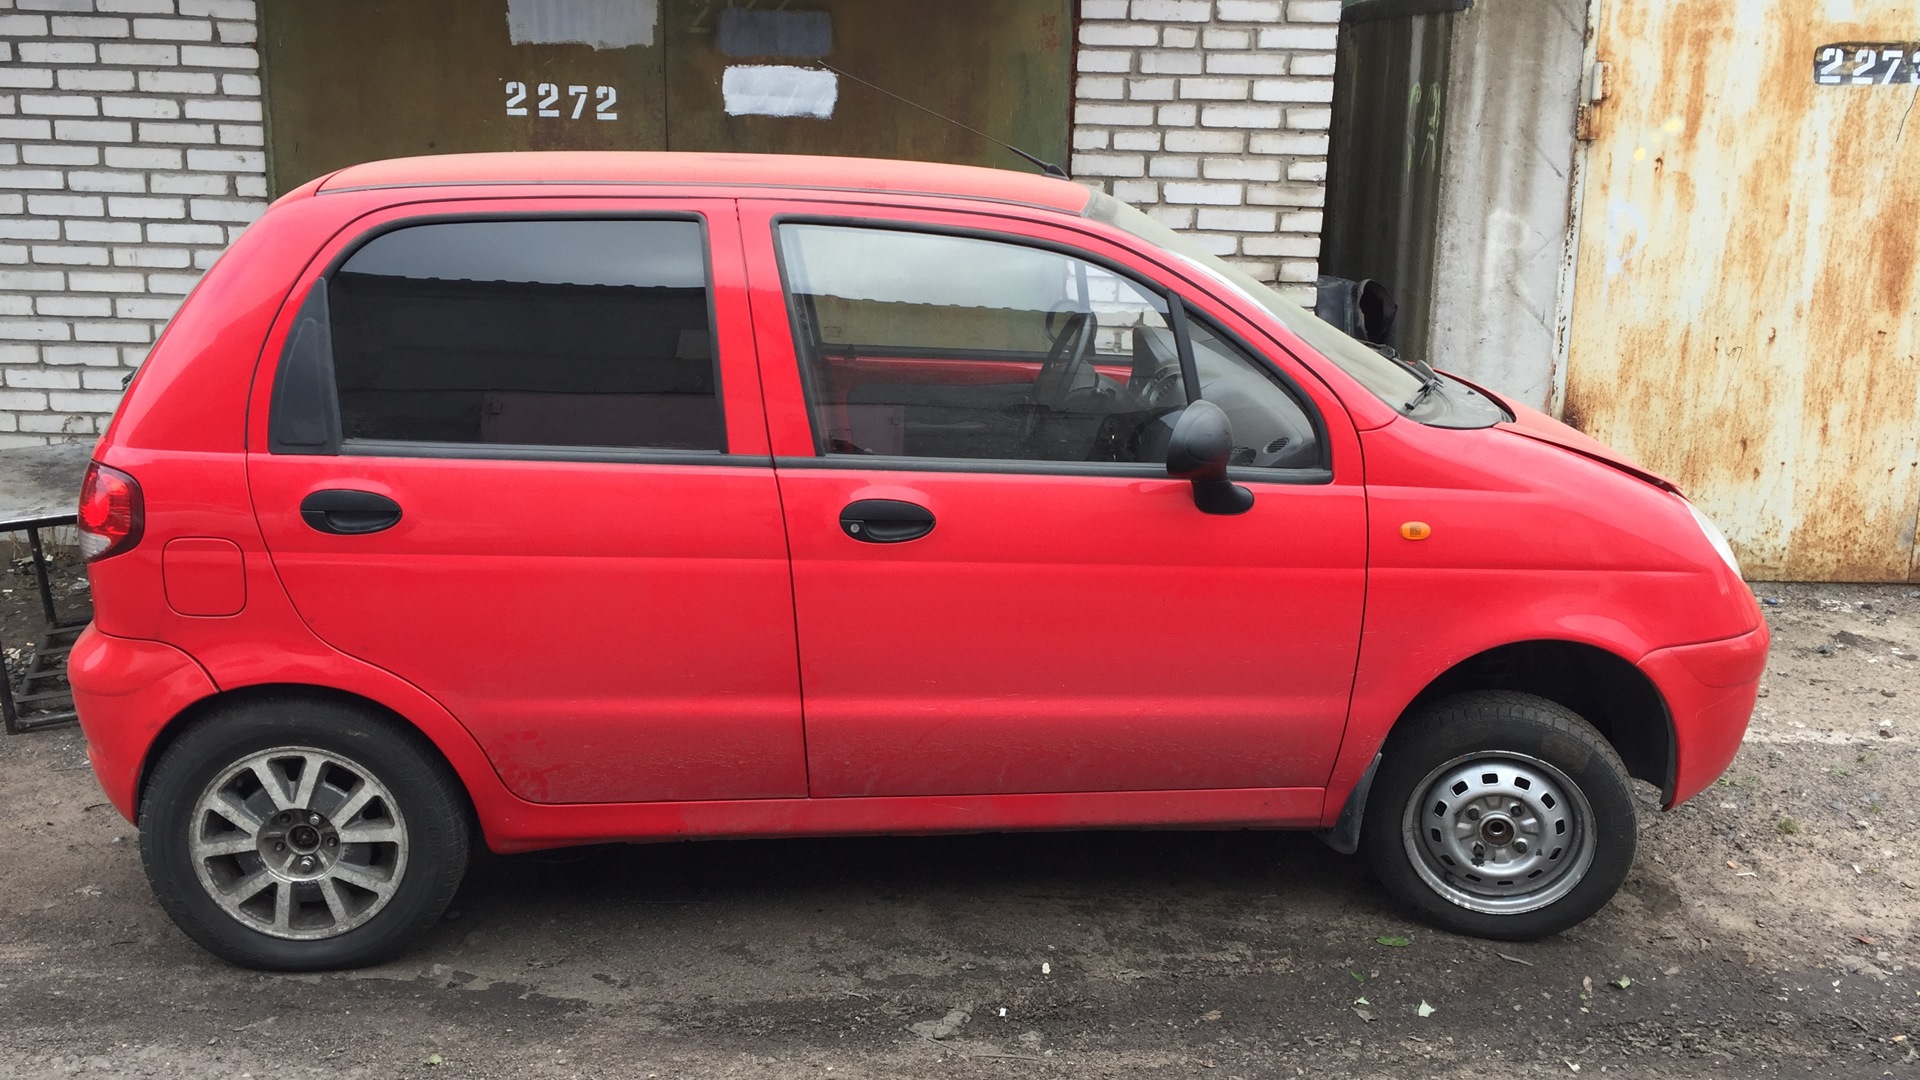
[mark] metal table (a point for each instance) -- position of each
(40, 489)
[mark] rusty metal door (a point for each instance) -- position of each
(1746, 309)
(354, 80)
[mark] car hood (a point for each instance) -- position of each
(1534, 424)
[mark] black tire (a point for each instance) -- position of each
(429, 819)
(1508, 736)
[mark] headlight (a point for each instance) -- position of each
(1716, 538)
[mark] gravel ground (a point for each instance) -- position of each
(1767, 929)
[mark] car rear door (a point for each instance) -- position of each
(513, 451)
(998, 588)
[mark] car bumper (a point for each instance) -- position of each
(1710, 689)
(126, 691)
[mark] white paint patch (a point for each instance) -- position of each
(601, 24)
(775, 90)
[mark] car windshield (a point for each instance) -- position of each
(1395, 383)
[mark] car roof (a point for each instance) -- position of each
(771, 171)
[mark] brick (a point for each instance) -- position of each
(1214, 243)
(58, 105)
(187, 184)
(34, 330)
(173, 30)
(1109, 165)
(1179, 168)
(23, 26)
(1214, 89)
(16, 304)
(12, 254)
(1309, 119)
(1136, 192)
(141, 55)
(163, 258)
(1173, 217)
(1173, 10)
(185, 234)
(250, 187)
(1211, 194)
(1299, 271)
(1308, 171)
(1103, 9)
(238, 33)
(1241, 168)
(1113, 115)
(1151, 89)
(219, 56)
(148, 308)
(141, 108)
(1089, 138)
(82, 401)
(226, 209)
(135, 7)
(42, 179)
(1179, 37)
(1092, 33)
(41, 379)
(1245, 116)
(21, 400)
(247, 110)
(94, 79)
(1237, 220)
(1170, 63)
(1289, 143)
(1104, 87)
(133, 206)
(88, 26)
(1220, 37)
(144, 157)
(218, 9)
(53, 5)
(1136, 139)
(242, 135)
(69, 255)
(1103, 60)
(176, 133)
(1313, 11)
(65, 206)
(74, 307)
(109, 331)
(52, 423)
(1314, 90)
(1260, 63)
(1253, 10)
(172, 284)
(57, 52)
(1320, 64)
(240, 85)
(27, 229)
(106, 181)
(1206, 142)
(20, 78)
(179, 82)
(1305, 38)
(1282, 246)
(107, 379)
(105, 281)
(1301, 221)
(93, 131)
(204, 258)
(104, 232)
(32, 280)
(26, 129)
(1287, 195)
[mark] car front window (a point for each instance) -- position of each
(1394, 383)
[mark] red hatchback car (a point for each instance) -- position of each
(568, 498)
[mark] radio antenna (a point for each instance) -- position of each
(1046, 167)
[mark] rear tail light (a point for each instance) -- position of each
(111, 514)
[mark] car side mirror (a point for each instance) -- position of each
(1198, 451)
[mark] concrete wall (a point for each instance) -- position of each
(131, 155)
(1506, 192)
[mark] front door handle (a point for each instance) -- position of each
(885, 521)
(348, 512)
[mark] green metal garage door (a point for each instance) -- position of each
(356, 80)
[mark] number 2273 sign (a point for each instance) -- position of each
(1867, 63)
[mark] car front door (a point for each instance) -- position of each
(998, 588)
(517, 458)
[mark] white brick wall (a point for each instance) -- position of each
(1212, 116)
(130, 156)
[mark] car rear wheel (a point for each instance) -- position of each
(295, 835)
(1501, 815)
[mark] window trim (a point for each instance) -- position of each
(1179, 311)
(300, 372)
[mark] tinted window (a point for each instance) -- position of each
(545, 333)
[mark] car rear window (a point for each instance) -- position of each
(572, 333)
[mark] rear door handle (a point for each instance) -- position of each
(885, 521)
(348, 512)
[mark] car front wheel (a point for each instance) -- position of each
(297, 835)
(1501, 815)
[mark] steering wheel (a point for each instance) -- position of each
(1064, 361)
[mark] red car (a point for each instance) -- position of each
(568, 498)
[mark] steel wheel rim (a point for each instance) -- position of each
(298, 843)
(1529, 826)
